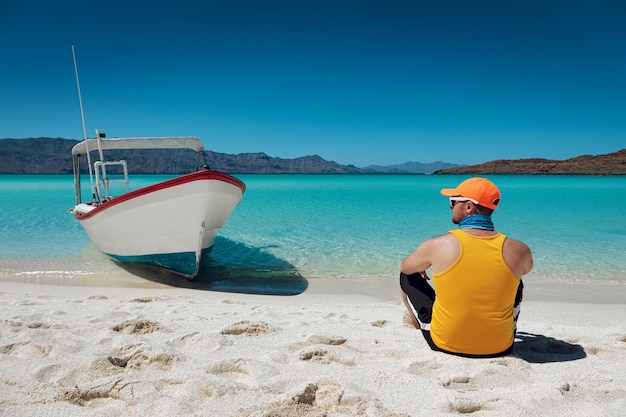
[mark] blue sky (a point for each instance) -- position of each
(356, 82)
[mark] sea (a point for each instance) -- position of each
(292, 229)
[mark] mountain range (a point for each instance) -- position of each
(53, 156)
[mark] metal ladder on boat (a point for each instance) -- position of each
(103, 181)
(100, 168)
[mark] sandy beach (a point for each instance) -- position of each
(91, 350)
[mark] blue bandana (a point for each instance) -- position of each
(477, 221)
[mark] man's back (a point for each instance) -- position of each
(473, 310)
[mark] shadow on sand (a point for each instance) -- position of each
(536, 348)
(233, 267)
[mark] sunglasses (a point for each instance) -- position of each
(454, 200)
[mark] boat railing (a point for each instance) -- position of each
(103, 181)
(99, 185)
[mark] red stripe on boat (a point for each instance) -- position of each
(206, 174)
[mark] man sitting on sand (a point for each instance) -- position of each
(477, 275)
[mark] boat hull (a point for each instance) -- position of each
(171, 224)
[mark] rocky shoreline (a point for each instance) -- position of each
(608, 164)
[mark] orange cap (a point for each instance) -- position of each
(479, 189)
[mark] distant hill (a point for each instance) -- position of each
(411, 168)
(53, 156)
(260, 163)
(36, 156)
(607, 164)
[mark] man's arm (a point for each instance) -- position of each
(518, 257)
(419, 260)
(437, 253)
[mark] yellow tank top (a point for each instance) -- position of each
(473, 309)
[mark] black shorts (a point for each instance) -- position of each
(421, 297)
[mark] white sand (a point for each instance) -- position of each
(162, 351)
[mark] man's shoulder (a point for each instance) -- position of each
(519, 250)
(517, 256)
(442, 240)
(516, 243)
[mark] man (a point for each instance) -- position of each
(477, 274)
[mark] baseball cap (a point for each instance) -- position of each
(479, 189)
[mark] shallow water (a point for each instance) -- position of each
(332, 226)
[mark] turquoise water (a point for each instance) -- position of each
(336, 226)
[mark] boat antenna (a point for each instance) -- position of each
(82, 116)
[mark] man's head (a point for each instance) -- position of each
(479, 191)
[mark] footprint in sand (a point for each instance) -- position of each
(25, 350)
(249, 328)
(49, 373)
(426, 368)
(320, 399)
(44, 326)
(310, 350)
(181, 341)
(98, 297)
(140, 356)
(137, 327)
(147, 299)
(459, 382)
(318, 340)
(467, 406)
(11, 324)
(325, 357)
(319, 355)
(232, 369)
(14, 325)
(117, 387)
(512, 363)
(492, 375)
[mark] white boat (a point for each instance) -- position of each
(171, 224)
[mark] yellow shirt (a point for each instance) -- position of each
(473, 309)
